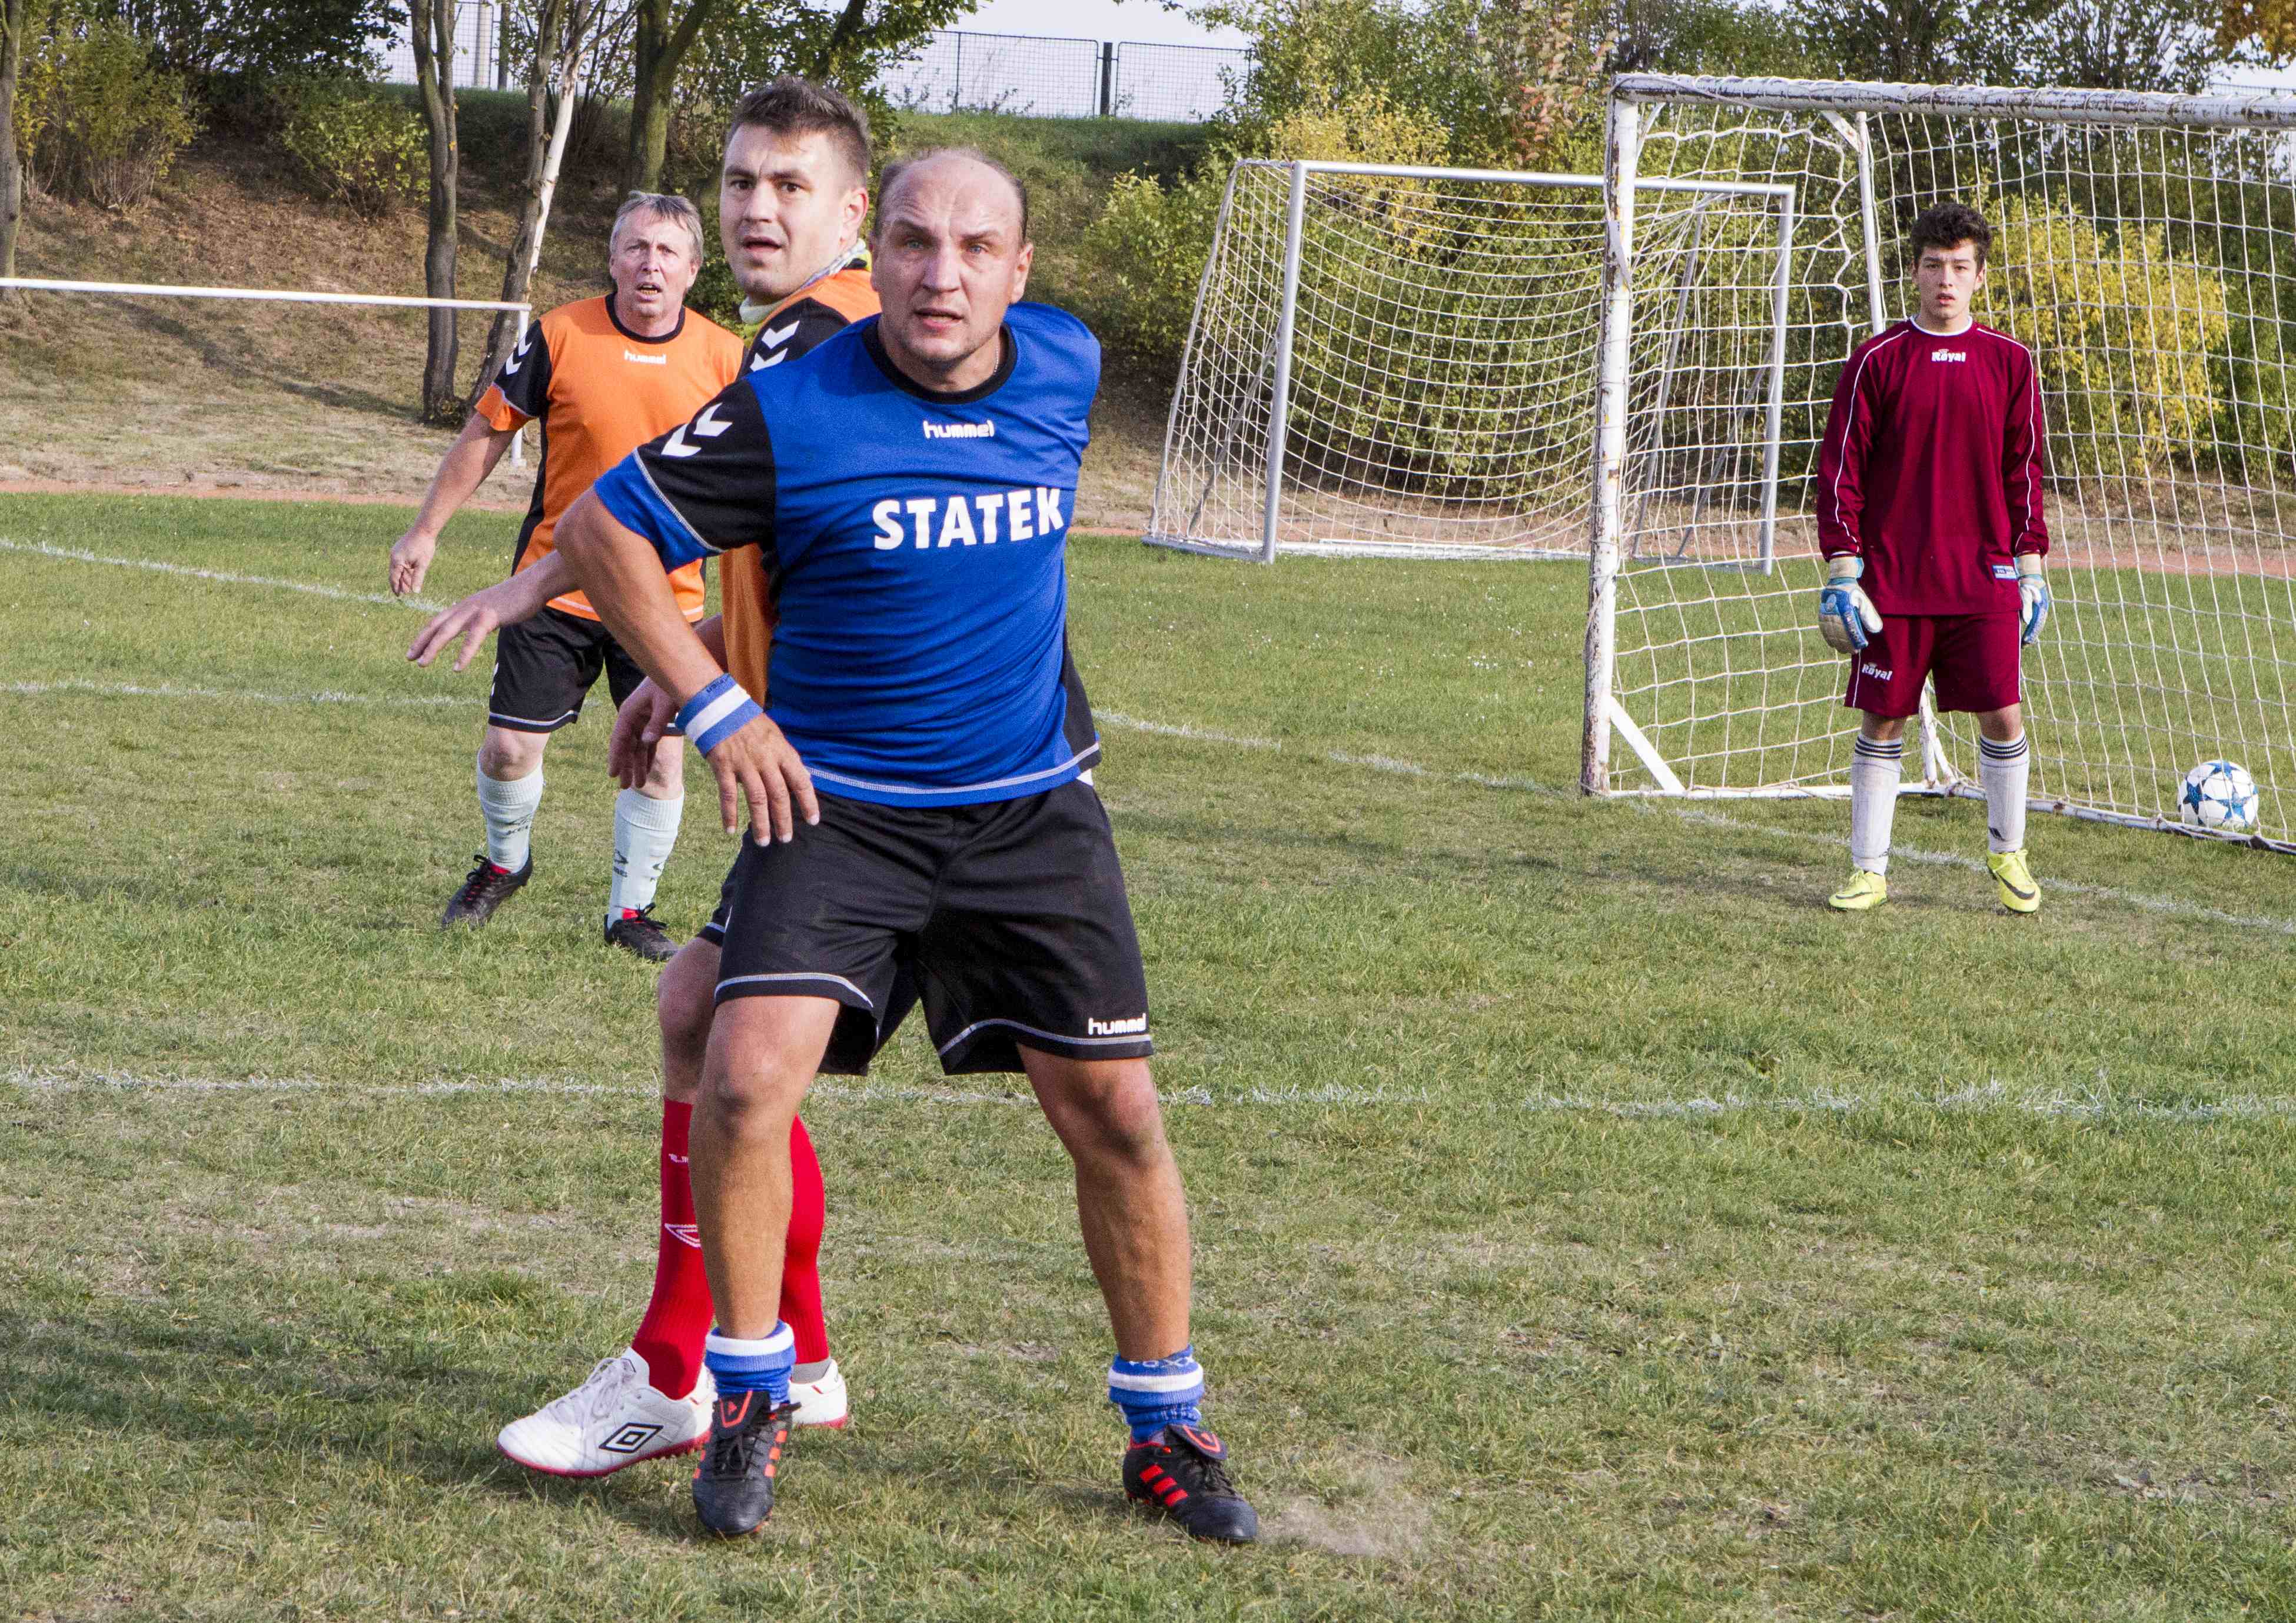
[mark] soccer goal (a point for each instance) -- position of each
(1402, 362)
(2145, 248)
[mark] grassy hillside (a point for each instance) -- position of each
(174, 393)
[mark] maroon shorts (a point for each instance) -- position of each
(1972, 656)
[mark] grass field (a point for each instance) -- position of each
(1589, 1224)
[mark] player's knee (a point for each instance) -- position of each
(506, 756)
(1109, 1112)
(684, 1000)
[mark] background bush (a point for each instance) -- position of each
(97, 118)
(355, 142)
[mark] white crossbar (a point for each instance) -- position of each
(168, 290)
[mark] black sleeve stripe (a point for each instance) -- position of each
(700, 539)
(718, 485)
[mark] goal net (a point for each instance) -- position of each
(2146, 249)
(1402, 361)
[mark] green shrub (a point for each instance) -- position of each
(96, 119)
(2129, 335)
(357, 144)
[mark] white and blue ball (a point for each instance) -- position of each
(2219, 796)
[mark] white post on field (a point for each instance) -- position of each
(1279, 415)
(1869, 218)
(1619, 160)
(1775, 425)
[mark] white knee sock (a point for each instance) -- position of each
(2004, 769)
(644, 830)
(1875, 770)
(509, 807)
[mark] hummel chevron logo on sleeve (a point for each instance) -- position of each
(518, 355)
(773, 338)
(706, 426)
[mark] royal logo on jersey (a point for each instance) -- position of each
(958, 520)
(1948, 355)
(959, 430)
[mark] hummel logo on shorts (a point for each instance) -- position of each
(1133, 1027)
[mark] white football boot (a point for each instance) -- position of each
(613, 1419)
(823, 1402)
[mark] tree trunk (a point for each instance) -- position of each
(434, 72)
(12, 23)
(663, 38)
(560, 29)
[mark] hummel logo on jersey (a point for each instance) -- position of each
(1948, 355)
(1115, 1028)
(1875, 671)
(685, 1234)
(959, 430)
(518, 355)
(645, 360)
(955, 520)
(708, 425)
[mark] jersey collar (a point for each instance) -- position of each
(900, 379)
(640, 338)
(852, 257)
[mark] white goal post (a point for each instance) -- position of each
(1398, 361)
(2145, 248)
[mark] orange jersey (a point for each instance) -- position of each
(796, 326)
(600, 392)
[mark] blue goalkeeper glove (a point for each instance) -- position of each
(1846, 616)
(2033, 599)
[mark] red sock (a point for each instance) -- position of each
(801, 1251)
(677, 1320)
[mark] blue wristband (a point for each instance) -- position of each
(717, 713)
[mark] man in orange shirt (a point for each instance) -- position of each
(602, 376)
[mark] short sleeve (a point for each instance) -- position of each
(792, 333)
(705, 486)
(522, 388)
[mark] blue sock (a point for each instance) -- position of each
(1155, 1393)
(763, 1365)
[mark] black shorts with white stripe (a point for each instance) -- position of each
(1010, 919)
(543, 667)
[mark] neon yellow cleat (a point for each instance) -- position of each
(2014, 879)
(1863, 891)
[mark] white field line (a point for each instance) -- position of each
(131, 690)
(1986, 1099)
(73, 554)
(2169, 906)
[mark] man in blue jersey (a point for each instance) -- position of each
(915, 791)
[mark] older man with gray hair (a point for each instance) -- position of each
(602, 376)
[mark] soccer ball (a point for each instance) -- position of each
(2219, 796)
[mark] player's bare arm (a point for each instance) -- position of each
(507, 603)
(460, 472)
(621, 575)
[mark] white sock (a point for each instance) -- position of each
(1875, 770)
(644, 830)
(2004, 769)
(509, 807)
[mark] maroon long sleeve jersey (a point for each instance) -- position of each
(1931, 468)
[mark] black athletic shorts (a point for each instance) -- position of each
(897, 1004)
(1011, 918)
(545, 666)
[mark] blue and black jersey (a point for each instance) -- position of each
(915, 547)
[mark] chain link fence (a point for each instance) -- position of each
(1027, 75)
(478, 59)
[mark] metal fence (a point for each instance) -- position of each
(477, 64)
(1033, 76)
(956, 71)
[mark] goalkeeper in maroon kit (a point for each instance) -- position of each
(1929, 511)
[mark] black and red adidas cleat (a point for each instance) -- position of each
(734, 1485)
(1182, 1471)
(484, 889)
